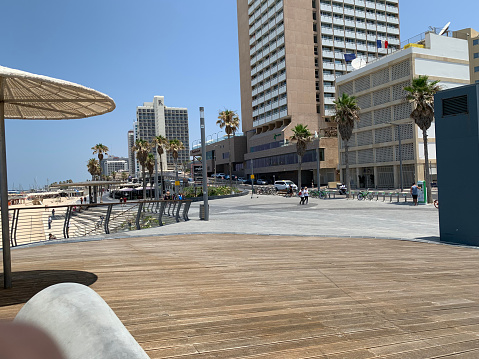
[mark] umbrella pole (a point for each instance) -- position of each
(7, 264)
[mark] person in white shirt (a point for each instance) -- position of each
(306, 195)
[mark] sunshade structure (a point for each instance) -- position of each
(28, 96)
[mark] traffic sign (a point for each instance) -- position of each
(252, 176)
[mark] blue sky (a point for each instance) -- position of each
(184, 50)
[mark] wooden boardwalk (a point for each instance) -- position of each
(246, 296)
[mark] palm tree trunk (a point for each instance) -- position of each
(144, 181)
(162, 185)
(426, 168)
(300, 162)
(346, 160)
(176, 177)
(229, 158)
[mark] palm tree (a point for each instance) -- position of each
(101, 150)
(93, 167)
(113, 175)
(124, 176)
(175, 146)
(142, 149)
(347, 113)
(228, 120)
(150, 165)
(421, 95)
(161, 143)
(301, 135)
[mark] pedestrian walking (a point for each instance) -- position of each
(414, 193)
(53, 213)
(49, 222)
(301, 196)
(81, 200)
(306, 195)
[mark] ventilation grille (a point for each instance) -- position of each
(398, 90)
(364, 138)
(384, 154)
(407, 152)
(347, 88)
(385, 177)
(365, 156)
(381, 77)
(402, 111)
(381, 96)
(454, 106)
(352, 141)
(382, 135)
(365, 120)
(351, 158)
(407, 131)
(382, 115)
(362, 84)
(364, 101)
(401, 70)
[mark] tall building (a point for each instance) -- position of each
(375, 150)
(154, 119)
(114, 164)
(472, 36)
(131, 153)
(291, 51)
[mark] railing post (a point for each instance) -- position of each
(161, 212)
(66, 223)
(138, 216)
(186, 209)
(107, 219)
(177, 217)
(13, 230)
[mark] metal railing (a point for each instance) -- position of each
(38, 224)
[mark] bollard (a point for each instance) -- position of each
(398, 197)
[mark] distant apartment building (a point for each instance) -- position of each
(291, 52)
(154, 119)
(114, 164)
(472, 36)
(131, 153)
(375, 150)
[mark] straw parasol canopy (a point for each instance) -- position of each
(35, 97)
(28, 96)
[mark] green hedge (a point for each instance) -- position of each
(212, 191)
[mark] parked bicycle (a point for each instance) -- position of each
(321, 194)
(365, 195)
(436, 203)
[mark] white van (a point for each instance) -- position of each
(284, 185)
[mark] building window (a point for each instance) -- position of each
(476, 69)
(475, 42)
(476, 55)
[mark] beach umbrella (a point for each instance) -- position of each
(27, 96)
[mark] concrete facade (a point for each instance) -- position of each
(218, 154)
(114, 164)
(290, 54)
(374, 154)
(472, 37)
(131, 153)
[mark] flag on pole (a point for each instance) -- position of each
(349, 57)
(382, 43)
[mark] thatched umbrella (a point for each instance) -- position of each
(28, 96)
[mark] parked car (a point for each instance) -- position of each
(249, 180)
(261, 181)
(241, 179)
(284, 185)
(220, 175)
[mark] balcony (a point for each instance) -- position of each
(326, 31)
(338, 9)
(274, 104)
(326, 19)
(281, 53)
(372, 48)
(329, 54)
(329, 112)
(360, 14)
(393, 20)
(328, 65)
(381, 17)
(349, 23)
(394, 41)
(327, 77)
(380, 7)
(350, 2)
(280, 41)
(359, 3)
(392, 9)
(382, 28)
(282, 77)
(360, 25)
(360, 36)
(283, 113)
(326, 7)
(361, 47)
(282, 90)
(338, 21)
(350, 46)
(327, 42)
(371, 27)
(340, 67)
(370, 4)
(393, 30)
(329, 100)
(329, 89)
(339, 44)
(349, 12)
(339, 33)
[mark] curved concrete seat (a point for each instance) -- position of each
(81, 323)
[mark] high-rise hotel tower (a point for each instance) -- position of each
(291, 51)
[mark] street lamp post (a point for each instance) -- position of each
(203, 160)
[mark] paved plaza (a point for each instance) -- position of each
(292, 283)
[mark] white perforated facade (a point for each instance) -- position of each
(374, 151)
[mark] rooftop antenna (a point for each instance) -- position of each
(357, 63)
(444, 29)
